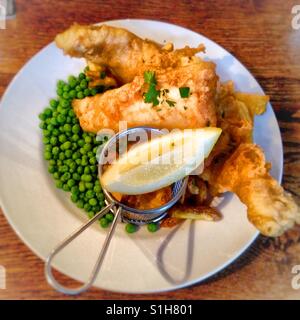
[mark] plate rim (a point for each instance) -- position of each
(198, 280)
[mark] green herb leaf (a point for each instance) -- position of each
(151, 96)
(184, 92)
(171, 103)
(102, 74)
(149, 77)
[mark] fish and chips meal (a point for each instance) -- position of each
(143, 83)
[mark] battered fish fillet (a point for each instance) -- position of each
(271, 209)
(105, 111)
(122, 52)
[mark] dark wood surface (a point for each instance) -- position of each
(257, 32)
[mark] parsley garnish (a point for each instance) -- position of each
(184, 92)
(149, 77)
(102, 74)
(170, 103)
(151, 96)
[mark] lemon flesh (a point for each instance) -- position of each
(160, 162)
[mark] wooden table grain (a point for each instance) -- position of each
(259, 33)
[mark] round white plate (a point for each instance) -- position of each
(42, 215)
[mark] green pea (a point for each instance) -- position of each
(90, 214)
(86, 177)
(87, 92)
(71, 183)
(75, 155)
(97, 189)
(59, 184)
(87, 170)
(68, 154)
(87, 207)
(56, 175)
(66, 187)
(78, 162)
(55, 132)
(66, 88)
(46, 133)
(62, 138)
(93, 92)
(50, 127)
(73, 94)
(93, 160)
(59, 92)
(81, 186)
(66, 145)
(80, 95)
(75, 189)
(74, 197)
(51, 169)
(46, 140)
(130, 228)
(60, 83)
(43, 125)
(102, 204)
(80, 170)
(47, 155)
(104, 223)
(89, 194)
(48, 112)
(55, 150)
(61, 156)
(76, 176)
(53, 140)
(78, 88)
(110, 217)
(84, 161)
(42, 116)
(66, 95)
(80, 204)
(100, 196)
(67, 127)
(83, 84)
(66, 177)
(81, 76)
(63, 168)
(65, 103)
(48, 147)
(88, 185)
(76, 128)
(53, 103)
(75, 138)
(80, 143)
(152, 227)
(93, 202)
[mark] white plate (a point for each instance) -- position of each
(42, 215)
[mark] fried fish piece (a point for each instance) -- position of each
(122, 52)
(270, 208)
(105, 111)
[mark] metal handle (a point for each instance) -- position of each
(48, 269)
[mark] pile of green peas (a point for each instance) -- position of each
(71, 152)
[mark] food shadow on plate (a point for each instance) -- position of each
(162, 266)
(170, 273)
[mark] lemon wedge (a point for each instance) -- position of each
(160, 162)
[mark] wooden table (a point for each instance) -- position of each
(259, 33)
